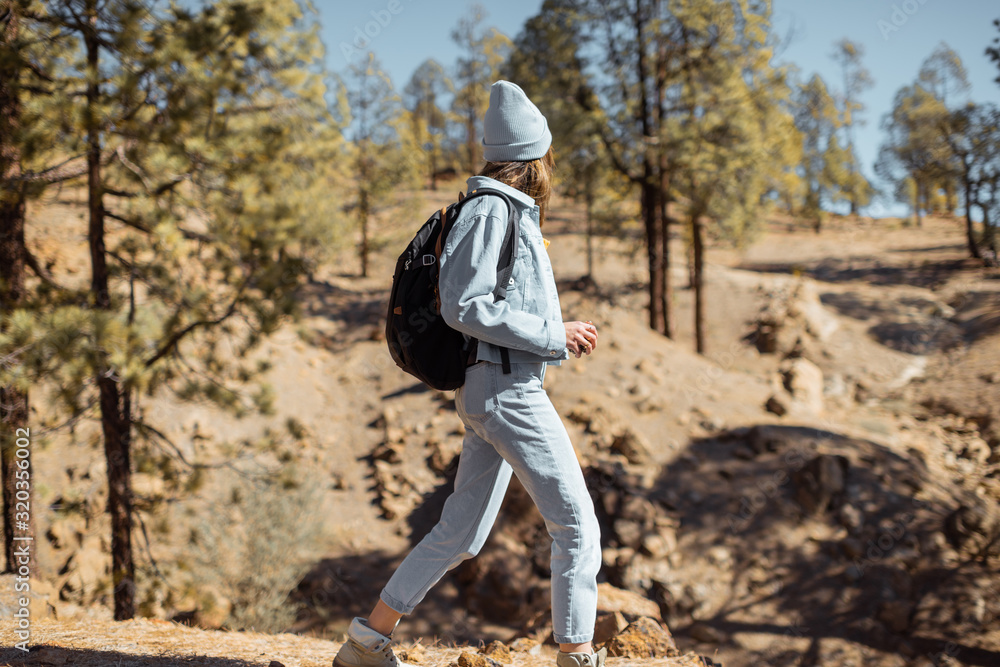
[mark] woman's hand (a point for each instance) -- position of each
(581, 337)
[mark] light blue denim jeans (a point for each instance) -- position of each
(511, 426)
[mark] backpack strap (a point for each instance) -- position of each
(508, 251)
(440, 240)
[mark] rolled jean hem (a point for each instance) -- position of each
(573, 639)
(395, 604)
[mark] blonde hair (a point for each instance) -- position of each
(533, 178)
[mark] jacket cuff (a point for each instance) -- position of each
(556, 345)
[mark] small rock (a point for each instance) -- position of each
(820, 482)
(661, 544)
(629, 533)
(639, 509)
(498, 651)
(643, 638)
(974, 528)
(466, 659)
(804, 381)
(412, 654)
(275, 663)
(720, 555)
(896, 615)
(388, 451)
(850, 517)
(608, 626)
(526, 645)
(611, 599)
(777, 405)
(632, 446)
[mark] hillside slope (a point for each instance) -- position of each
(820, 488)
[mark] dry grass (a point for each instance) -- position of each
(155, 643)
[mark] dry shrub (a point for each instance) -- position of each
(253, 544)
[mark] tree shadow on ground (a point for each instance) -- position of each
(44, 654)
(928, 274)
(852, 557)
(978, 314)
(357, 311)
(921, 326)
(335, 590)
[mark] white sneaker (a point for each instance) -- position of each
(582, 659)
(366, 648)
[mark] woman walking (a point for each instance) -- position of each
(511, 426)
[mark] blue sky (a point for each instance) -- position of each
(411, 31)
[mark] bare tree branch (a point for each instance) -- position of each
(172, 342)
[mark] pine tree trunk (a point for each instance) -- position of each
(364, 202)
(115, 405)
(433, 166)
(363, 215)
(919, 204)
(654, 252)
(470, 140)
(697, 241)
(666, 293)
(689, 255)
(589, 203)
(989, 236)
(951, 197)
(970, 232)
(13, 402)
(649, 191)
(989, 226)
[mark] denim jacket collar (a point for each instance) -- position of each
(476, 182)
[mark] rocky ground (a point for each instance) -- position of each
(821, 488)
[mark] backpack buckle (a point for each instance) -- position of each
(428, 260)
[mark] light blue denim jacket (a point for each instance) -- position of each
(529, 321)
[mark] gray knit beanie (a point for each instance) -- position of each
(514, 129)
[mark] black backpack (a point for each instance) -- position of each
(420, 341)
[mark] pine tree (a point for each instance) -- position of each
(379, 163)
(856, 187)
(915, 148)
(200, 130)
(818, 120)
(633, 44)
(547, 62)
(735, 100)
(13, 400)
(993, 52)
(683, 127)
(30, 47)
(972, 134)
(483, 50)
(944, 76)
(428, 121)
